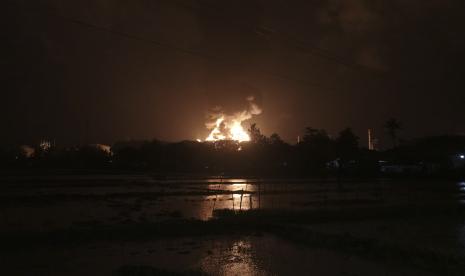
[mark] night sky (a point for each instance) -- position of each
(88, 71)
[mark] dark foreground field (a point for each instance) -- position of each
(141, 225)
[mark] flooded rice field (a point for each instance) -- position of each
(62, 201)
(232, 255)
(280, 229)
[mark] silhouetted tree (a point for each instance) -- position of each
(392, 127)
(316, 149)
(129, 154)
(315, 137)
(275, 139)
(347, 144)
(256, 135)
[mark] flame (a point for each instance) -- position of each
(230, 129)
(226, 127)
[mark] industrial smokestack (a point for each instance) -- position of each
(372, 141)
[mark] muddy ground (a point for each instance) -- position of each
(143, 225)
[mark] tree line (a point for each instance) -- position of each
(317, 154)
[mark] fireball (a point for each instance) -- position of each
(229, 127)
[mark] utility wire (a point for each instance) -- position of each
(170, 47)
(282, 36)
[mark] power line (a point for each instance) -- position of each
(312, 49)
(170, 47)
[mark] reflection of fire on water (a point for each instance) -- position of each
(241, 196)
(229, 127)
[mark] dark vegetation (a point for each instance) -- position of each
(317, 154)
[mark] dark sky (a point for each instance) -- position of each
(87, 71)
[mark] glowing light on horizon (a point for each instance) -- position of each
(228, 130)
(230, 127)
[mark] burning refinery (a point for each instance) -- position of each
(224, 126)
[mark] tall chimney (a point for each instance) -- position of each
(370, 140)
